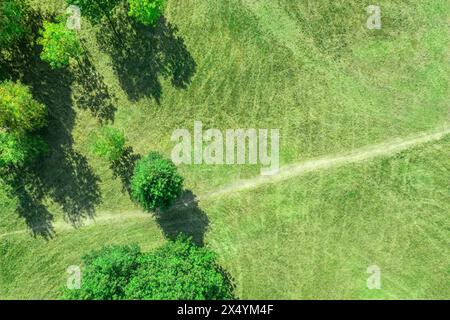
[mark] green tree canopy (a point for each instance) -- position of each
(18, 149)
(177, 270)
(106, 273)
(59, 44)
(156, 182)
(19, 112)
(146, 11)
(12, 21)
(108, 143)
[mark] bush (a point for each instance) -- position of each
(177, 270)
(12, 21)
(146, 12)
(106, 273)
(108, 143)
(59, 44)
(17, 150)
(19, 112)
(155, 182)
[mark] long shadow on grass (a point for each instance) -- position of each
(143, 54)
(64, 175)
(185, 217)
(93, 94)
(123, 168)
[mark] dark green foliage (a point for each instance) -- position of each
(108, 143)
(106, 273)
(12, 21)
(19, 112)
(17, 149)
(155, 182)
(146, 11)
(177, 270)
(95, 10)
(59, 44)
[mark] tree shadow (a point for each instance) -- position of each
(64, 175)
(184, 217)
(143, 54)
(93, 94)
(123, 168)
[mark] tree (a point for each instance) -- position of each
(59, 44)
(17, 150)
(155, 182)
(146, 12)
(108, 143)
(12, 21)
(106, 273)
(19, 112)
(177, 270)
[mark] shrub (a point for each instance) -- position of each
(146, 12)
(19, 112)
(17, 150)
(59, 44)
(106, 273)
(12, 25)
(108, 143)
(177, 270)
(155, 182)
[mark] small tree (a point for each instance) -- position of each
(19, 112)
(12, 21)
(106, 273)
(146, 12)
(155, 182)
(179, 270)
(17, 150)
(59, 44)
(108, 143)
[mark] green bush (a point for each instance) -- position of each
(146, 12)
(177, 270)
(108, 143)
(12, 21)
(19, 112)
(17, 150)
(106, 273)
(155, 182)
(59, 44)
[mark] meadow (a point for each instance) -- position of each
(309, 68)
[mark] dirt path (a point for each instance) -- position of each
(358, 155)
(287, 172)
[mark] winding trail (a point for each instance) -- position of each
(285, 173)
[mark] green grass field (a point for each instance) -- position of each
(310, 68)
